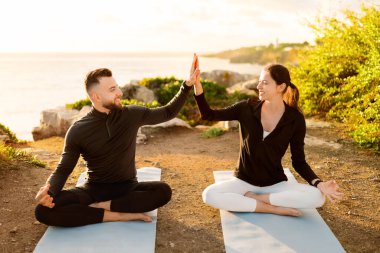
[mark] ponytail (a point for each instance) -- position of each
(291, 96)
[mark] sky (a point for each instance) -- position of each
(158, 25)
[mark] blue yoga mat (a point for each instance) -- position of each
(131, 236)
(269, 233)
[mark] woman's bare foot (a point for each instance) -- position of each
(117, 216)
(263, 207)
(261, 197)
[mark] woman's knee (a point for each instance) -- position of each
(320, 199)
(209, 194)
(316, 198)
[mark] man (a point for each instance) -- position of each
(106, 139)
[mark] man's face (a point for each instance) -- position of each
(109, 93)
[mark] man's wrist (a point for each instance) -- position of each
(188, 83)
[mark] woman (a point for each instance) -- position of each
(267, 127)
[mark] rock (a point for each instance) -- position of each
(176, 122)
(4, 138)
(56, 122)
(225, 77)
(141, 138)
(312, 123)
(138, 92)
(170, 123)
(247, 87)
(202, 127)
(315, 141)
(228, 124)
(14, 230)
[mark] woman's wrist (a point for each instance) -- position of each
(316, 182)
(198, 90)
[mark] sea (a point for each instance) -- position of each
(33, 82)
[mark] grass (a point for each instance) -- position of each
(7, 131)
(8, 153)
(212, 132)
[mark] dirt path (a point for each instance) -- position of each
(187, 162)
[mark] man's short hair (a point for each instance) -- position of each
(93, 77)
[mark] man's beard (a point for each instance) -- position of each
(113, 106)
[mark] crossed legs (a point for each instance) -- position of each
(95, 203)
(283, 198)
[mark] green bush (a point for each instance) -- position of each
(9, 133)
(212, 132)
(156, 83)
(79, 104)
(340, 77)
(9, 153)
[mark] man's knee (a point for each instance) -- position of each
(165, 192)
(42, 214)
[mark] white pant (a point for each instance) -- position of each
(229, 195)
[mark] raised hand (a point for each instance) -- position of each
(198, 86)
(330, 189)
(194, 72)
(43, 198)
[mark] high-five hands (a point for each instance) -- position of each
(43, 198)
(194, 72)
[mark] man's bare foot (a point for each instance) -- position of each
(263, 207)
(117, 216)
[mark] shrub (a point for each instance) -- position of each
(340, 77)
(212, 132)
(12, 136)
(84, 102)
(79, 104)
(9, 153)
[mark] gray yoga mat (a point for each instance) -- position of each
(269, 233)
(131, 236)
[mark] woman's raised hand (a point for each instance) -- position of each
(194, 72)
(198, 86)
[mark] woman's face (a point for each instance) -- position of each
(268, 89)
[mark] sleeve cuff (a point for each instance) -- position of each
(186, 87)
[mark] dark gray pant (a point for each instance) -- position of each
(71, 206)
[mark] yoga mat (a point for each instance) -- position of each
(270, 233)
(131, 236)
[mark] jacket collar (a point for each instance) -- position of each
(98, 114)
(288, 116)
